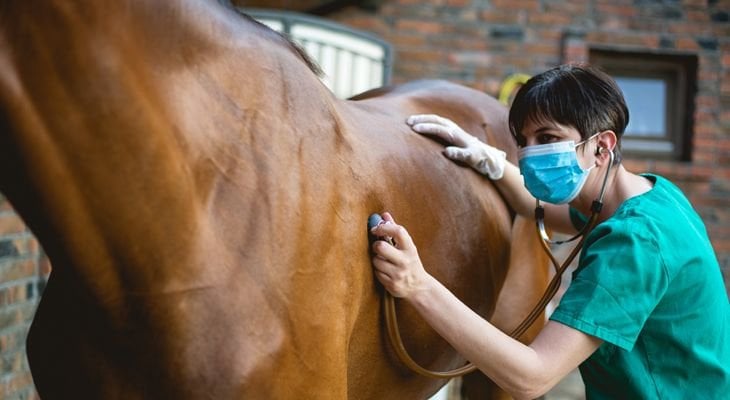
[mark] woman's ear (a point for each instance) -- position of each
(605, 144)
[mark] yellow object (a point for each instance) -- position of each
(509, 87)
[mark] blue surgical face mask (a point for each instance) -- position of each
(551, 171)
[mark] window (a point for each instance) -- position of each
(659, 91)
(353, 61)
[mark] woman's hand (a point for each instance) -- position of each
(397, 266)
(485, 159)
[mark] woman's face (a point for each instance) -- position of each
(545, 132)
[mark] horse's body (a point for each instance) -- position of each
(203, 200)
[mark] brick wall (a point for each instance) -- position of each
(23, 273)
(480, 42)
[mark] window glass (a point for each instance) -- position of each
(646, 99)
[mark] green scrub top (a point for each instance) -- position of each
(649, 285)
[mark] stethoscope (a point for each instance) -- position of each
(546, 241)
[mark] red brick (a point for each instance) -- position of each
(686, 44)
(719, 230)
(665, 170)
(697, 188)
(407, 41)
(720, 245)
(425, 27)
(619, 10)
(17, 270)
(546, 34)
(542, 48)
(12, 340)
(407, 71)
(493, 16)
(705, 143)
(725, 88)
(422, 56)
(701, 157)
(707, 101)
(624, 40)
(11, 224)
(549, 19)
(10, 317)
(370, 24)
(701, 173)
(689, 29)
(708, 75)
(13, 295)
(525, 5)
(723, 159)
(457, 42)
(722, 31)
(572, 8)
(697, 16)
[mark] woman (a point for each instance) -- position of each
(646, 315)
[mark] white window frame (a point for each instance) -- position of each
(352, 61)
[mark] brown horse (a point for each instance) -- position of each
(203, 200)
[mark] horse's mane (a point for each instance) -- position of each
(293, 46)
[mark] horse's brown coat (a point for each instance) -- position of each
(203, 199)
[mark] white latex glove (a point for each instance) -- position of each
(485, 159)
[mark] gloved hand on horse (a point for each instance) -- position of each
(484, 158)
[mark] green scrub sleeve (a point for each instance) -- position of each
(619, 281)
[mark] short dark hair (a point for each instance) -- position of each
(575, 95)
